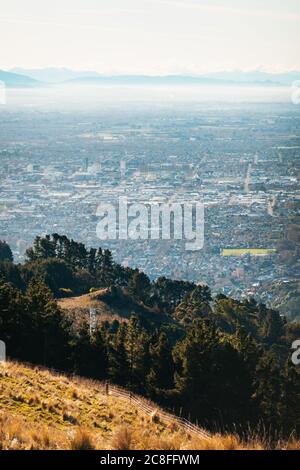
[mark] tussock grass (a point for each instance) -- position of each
(40, 409)
(122, 439)
(81, 440)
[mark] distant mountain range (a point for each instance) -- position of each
(286, 78)
(54, 75)
(15, 80)
(19, 78)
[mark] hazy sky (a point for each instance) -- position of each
(151, 36)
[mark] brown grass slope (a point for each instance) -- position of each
(110, 305)
(40, 409)
(82, 304)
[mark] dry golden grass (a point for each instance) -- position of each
(81, 440)
(80, 305)
(292, 444)
(122, 439)
(43, 410)
(83, 301)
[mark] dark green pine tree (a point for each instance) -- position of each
(13, 326)
(82, 357)
(210, 378)
(161, 375)
(105, 269)
(137, 349)
(193, 363)
(117, 358)
(247, 347)
(43, 248)
(91, 260)
(47, 329)
(273, 327)
(249, 353)
(268, 390)
(99, 352)
(290, 400)
(169, 293)
(139, 286)
(196, 306)
(5, 252)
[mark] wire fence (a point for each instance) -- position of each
(143, 404)
(151, 408)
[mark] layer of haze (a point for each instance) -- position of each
(93, 97)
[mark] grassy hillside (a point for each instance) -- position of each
(110, 305)
(82, 304)
(40, 409)
(221, 362)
